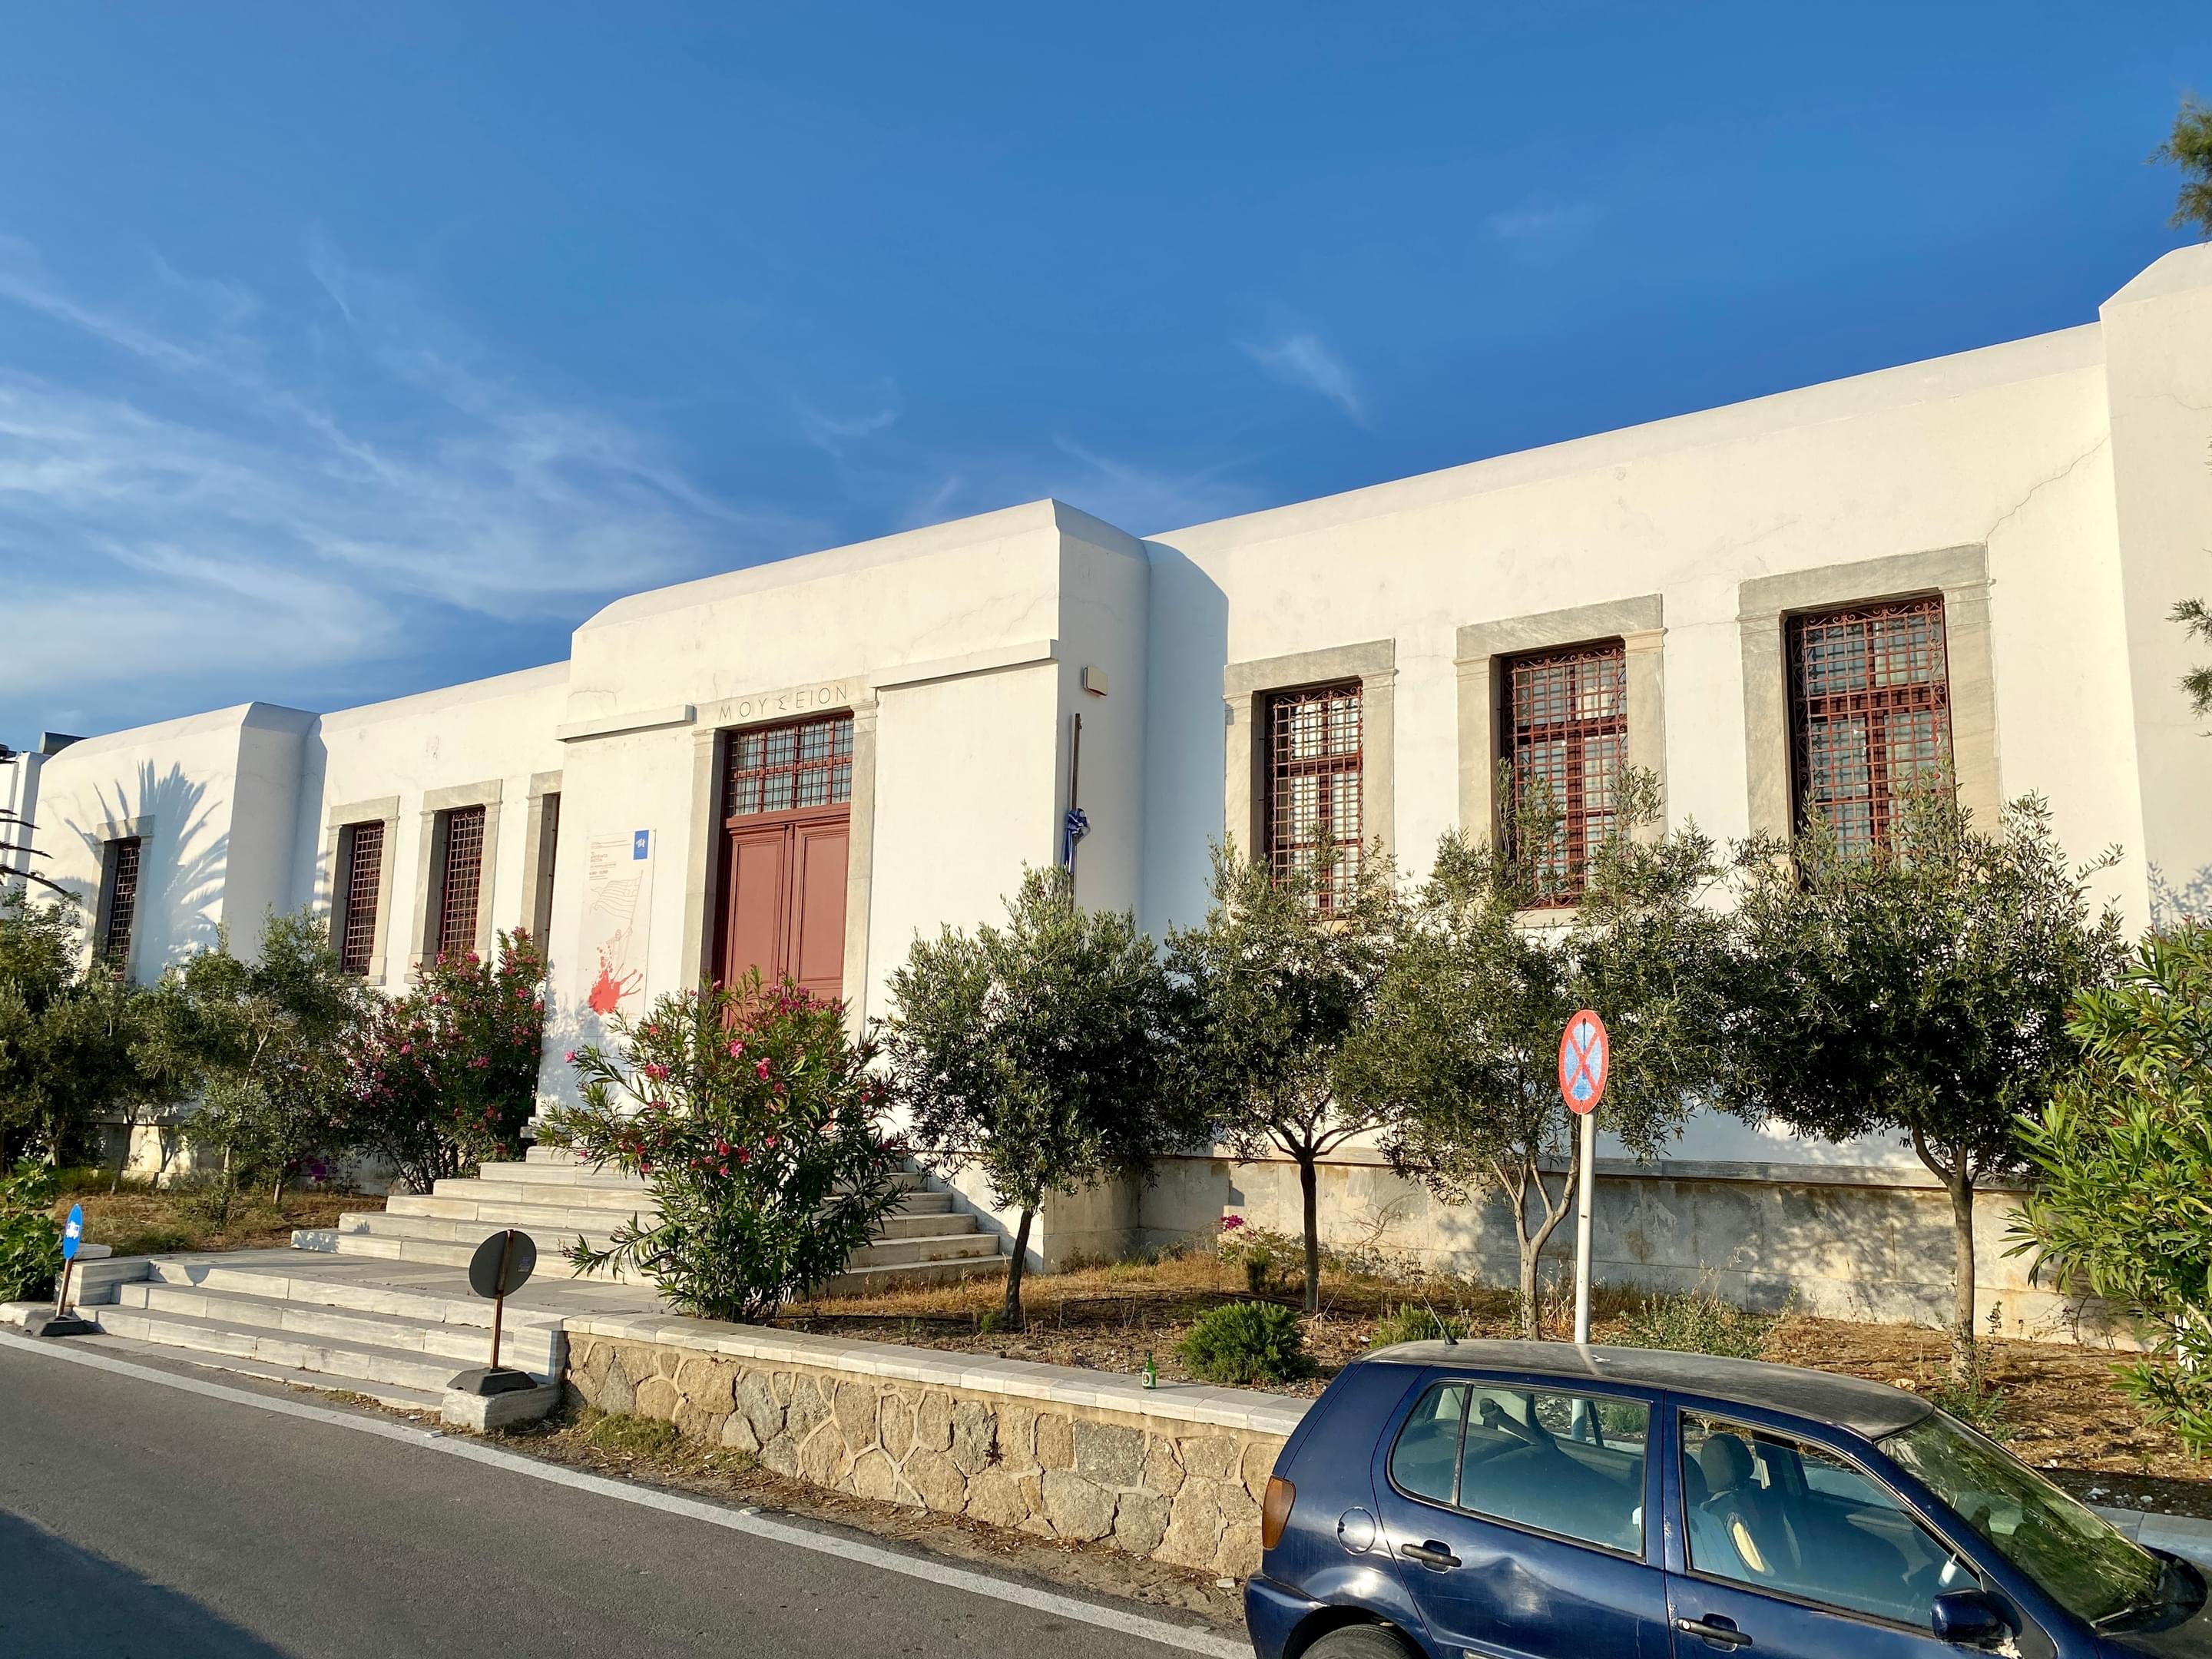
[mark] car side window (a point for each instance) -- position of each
(1774, 1512)
(1559, 1462)
(1426, 1461)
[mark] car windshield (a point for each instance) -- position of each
(2081, 1560)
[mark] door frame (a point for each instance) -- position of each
(715, 723)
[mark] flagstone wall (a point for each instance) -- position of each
(1176, 1473)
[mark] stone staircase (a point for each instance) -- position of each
(555, 1199)
(254, 1312)
(379, 1305)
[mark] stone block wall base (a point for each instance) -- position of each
(1186, 1493)
(485, 1411)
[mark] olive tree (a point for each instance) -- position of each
(1919, 988)
(1460, 1058)
(1275, 984)
(1039, 1053)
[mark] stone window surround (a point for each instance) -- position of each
(436, 804)
(853, 694)
(1961, 577)
(538, 915)
(141, 830)
(337, 855)
(1245, 687)
(1639, 623)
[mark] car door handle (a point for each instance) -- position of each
(1727, 1635)
(1430, 1554)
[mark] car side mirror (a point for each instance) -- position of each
(1971, 1618)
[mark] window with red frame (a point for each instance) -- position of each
(784, 768)
(1313, 824)
(460, 880)
(1566, 740)
(364, 881)
(1870, 714)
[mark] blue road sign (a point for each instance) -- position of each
(72, 1232)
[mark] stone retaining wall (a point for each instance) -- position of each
(1175, 1474)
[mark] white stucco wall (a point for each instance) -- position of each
(496, 731)
(2076, 466)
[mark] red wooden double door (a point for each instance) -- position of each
(787, 827)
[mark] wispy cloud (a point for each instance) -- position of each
(1139, 497)
(836, 435)
(215, 488)
(1540, 221)
(1304, 360)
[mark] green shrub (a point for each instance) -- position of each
(1417, 1323)
(444, 1077)
(2123, 1154)
(30, 1238)
(1247, 1342)
(1697, 1321)
(753, 1116)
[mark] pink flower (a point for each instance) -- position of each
(736, 1050)
(761, 1069)
(656, 1071)
(572, 1056)
(1229, 1223)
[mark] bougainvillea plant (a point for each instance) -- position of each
(447, 1075)
(753, 1119)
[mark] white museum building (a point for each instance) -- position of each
(1777, 605)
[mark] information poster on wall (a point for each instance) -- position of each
(618, 918)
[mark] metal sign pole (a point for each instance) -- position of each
(499, 1302)
(1589, 1180)
(1585, 1060)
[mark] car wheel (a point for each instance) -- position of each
(1362, 1641)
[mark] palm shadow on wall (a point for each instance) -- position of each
(181, 867)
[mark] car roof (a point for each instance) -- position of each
(1872, 1409)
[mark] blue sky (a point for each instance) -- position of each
(347, 350)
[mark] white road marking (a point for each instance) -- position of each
(745, 1520)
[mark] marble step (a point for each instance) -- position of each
(385, 1393)
(944, 1244)
(333, 1362)
(558, 1164)
(320, 1291)
(871, 1281)
(541, 1349)
(528, 1206)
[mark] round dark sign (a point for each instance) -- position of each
(502, 1263)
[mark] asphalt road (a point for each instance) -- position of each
(137, 1520)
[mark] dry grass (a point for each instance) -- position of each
(143, 1221)
(2060, 1408)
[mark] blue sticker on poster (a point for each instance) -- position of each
(641, 846)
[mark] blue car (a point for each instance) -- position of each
(1493, 1500)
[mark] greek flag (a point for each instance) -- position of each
(1077, 826)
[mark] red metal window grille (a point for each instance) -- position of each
(782, 769)
(1566, 735)
(1313, 807)
(460, 881)
(122, 901)
(1870, 714)
(364, 863)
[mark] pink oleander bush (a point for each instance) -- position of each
(446, 1076)
(752, 1115)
